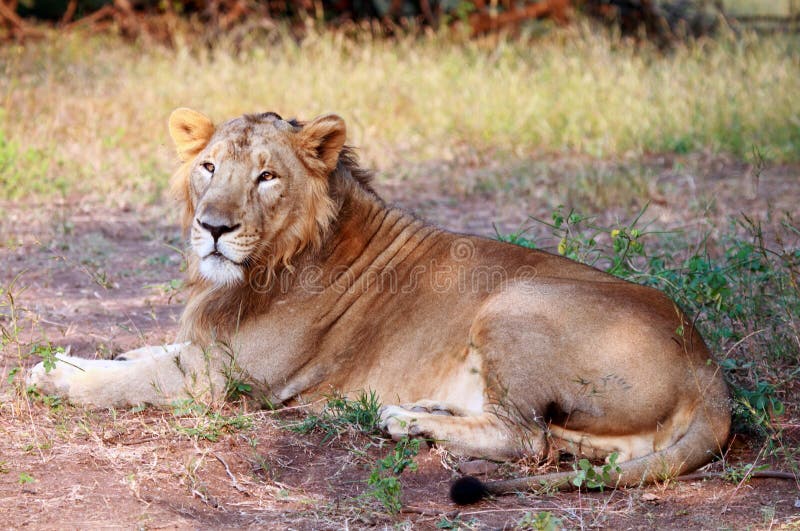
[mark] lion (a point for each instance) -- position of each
(304, 282)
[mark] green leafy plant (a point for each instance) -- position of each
(12, 374)
(383, 480)
(236, 379)
(541, 521)
(48, 355)
(738, 474)
(761, 401)
(236, 389)
(591, 477)
(51, 401)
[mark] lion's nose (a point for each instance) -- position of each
(218, 230)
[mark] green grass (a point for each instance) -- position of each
(200, 421)
(87, 114)
(25, 170)
(340, 415)
(359, 417)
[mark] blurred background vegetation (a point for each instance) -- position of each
(100, 83)
(662, 19)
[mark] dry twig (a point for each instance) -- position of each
(230, 475)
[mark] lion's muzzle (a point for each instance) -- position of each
(215, 243)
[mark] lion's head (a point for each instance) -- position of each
(255, 189)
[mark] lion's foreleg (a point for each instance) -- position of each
(152, 375)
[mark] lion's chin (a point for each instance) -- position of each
(220, 271)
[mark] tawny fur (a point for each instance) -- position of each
(490, 349)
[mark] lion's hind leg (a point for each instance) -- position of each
(483, 435)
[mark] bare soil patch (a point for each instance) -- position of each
(102, 278)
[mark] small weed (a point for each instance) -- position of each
(4, 469)
(237, 389)
(384, 482)
(236, 386)
(10, 332)
(591, 477)
(456, 523)
(341, 414)
(739, 474)
(12, 374)
(25, 478)
(760, 404)
(541, 521)
(101, 278)
(208, 425)
(47, 354)
(30, 447)
(401, 458)
(214, 425)
(768, 515)
(170, 288)
(261, 467)
(51, 401)
(448, 523)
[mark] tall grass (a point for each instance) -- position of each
(781, 8)
(91, 110)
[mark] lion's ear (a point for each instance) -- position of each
(324, 138)
(191, 131)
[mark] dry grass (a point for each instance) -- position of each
(84, 113)
(781, 8)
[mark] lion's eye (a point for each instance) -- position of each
(208, 167)
(265, 176)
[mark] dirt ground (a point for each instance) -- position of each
(100, 277)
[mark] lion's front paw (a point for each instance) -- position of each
(56, 381)
(396, 421)
(150, 352)
(431, 406)
(408, 420)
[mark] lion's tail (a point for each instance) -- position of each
(704, 437)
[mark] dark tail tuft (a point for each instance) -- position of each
(466, 490)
